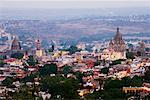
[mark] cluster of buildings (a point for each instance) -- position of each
(89, 62)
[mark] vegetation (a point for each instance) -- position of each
(105, 70)
(8, 81)
(130, 55)
(58, 85)
(48, 69)
(117, 62)
(67, 69)
(147, 76)
(73, 49)
(32, 61)
(97, 63)
(1, 63)
(30, 78)
(25, 93)
(17, 55)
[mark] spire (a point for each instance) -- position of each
(38, 44)
(111, 42)
(117, 29)
(15, 44)
(118, 35)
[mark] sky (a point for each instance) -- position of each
(46, 9)
(50, 4)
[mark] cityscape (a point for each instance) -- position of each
(75, 50)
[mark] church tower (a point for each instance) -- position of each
(118, 46)
(38, 44)
(15, 46)
(142, 48)
(39, 51)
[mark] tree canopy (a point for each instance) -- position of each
(48, 69)
(17, 55)
(32, 61)
(67, 69)
(130, 55)
(1, 63)
(8, 81)
(59, 85)
(105, 70)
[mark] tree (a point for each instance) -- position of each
(116, 62)
(17, 55)
(1, 63)
(126, 81)
(59, 85)
(147, 76)
(8, 81)
(136, 81)
(32, 61)
(105, 70)
(113, 94)
(48, 69)
(109, 83)
(97, 63)
(130, 55)
(113, 89)
(30, 78)
(67, 69)
(25, 93)
(79, 76)
(73, 49)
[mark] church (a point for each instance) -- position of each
(116, 49)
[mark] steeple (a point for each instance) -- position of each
(118, 42)
(117, 29)
(118, 36)
(38, 44)
(15, 44)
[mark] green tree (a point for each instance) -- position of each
(79, 76)
(8, 81)
(117, 62)
(105, 70)
(1, 63)
(30, 78)
(109, 83)
(32, 61)
(113, 89)
(97, 63)
(25, 93)
(113, 94)
(73, 49)
(147, 76)
(136, 81)
(48, 69)
(17, 55)
(59, 85)
(67, 69)
(130, 55)
(126, 81)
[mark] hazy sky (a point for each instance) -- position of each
(73, 3)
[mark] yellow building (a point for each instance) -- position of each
(117, 48)
(39, 53)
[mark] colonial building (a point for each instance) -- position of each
(141, 48)
(116, 49)
(38, 52)
(15, 46)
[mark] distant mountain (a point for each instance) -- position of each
(79, 28)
